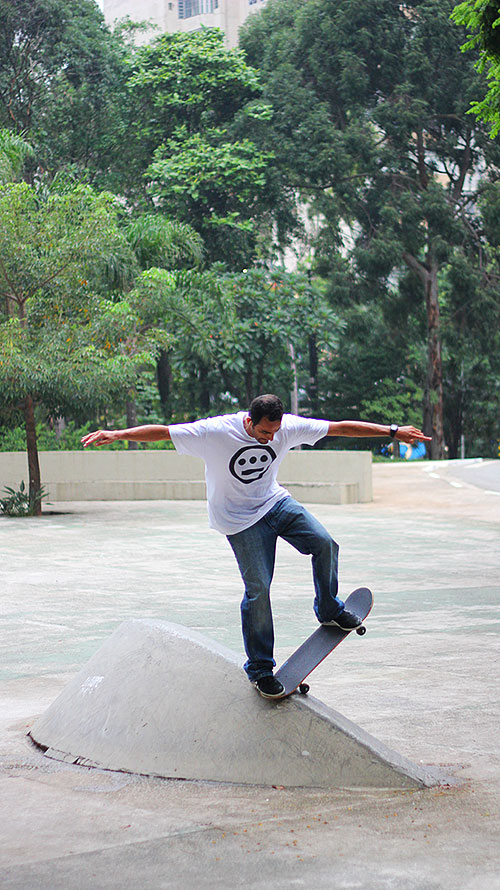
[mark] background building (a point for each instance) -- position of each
(184, 15)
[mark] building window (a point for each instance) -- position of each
(188, 8)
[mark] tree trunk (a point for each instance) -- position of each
(433, 405)
(455, 419)
(260, 375)
(164, 380)
(204, 390)
(60, 425)
(132, 421)
(313, 375)
(249, 391)
(33, 462)
(294, 395)
(433, 396)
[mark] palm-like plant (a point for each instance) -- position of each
(13, 153)
(164, 243)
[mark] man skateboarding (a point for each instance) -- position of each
(242, 454)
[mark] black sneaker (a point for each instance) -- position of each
(269, 687)
(346, 621)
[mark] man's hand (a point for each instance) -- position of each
(410, 434)
(100, 437)
(150, 432)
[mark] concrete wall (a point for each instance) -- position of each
(331, 477)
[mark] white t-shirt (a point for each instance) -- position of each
(240, 473)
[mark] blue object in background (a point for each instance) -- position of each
(412, 452)
(408, 452)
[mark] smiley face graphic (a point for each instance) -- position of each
(251, 462)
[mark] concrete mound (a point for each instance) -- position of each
(159, 699)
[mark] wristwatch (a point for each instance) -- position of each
(393, 430)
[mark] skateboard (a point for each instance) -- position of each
(321, 642)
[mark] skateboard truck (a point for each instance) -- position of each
(323, 641)
(304, 688)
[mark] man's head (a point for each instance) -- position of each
(264, 417)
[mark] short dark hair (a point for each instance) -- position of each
(268, 405)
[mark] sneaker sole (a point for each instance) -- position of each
(336, 624)
(267, 694)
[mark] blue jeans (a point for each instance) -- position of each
(255, 551)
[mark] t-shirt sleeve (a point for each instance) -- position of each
(189, 438)
(305, 430)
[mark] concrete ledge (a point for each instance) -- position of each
(330, 477)
(159, 699)
(325, 492)
(139, 490)
(186, 490)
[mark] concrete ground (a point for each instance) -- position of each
(424, 680)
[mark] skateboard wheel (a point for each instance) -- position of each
(361, 630)
(304, 688)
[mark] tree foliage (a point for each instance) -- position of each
(62, 83)
(355, 109)
(57, 252)
(238, 334)
(14, 150)
(376, 136)
(158, 241)
(196, 108)
(482, 20)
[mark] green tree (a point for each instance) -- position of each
(14, 151)
(482, 20)
(62, 84)
(278, 315)
(196, 109)
(57, 250)
(377, 137)
(238, 334)
(471, 325)
(164, 243)
(216, 185)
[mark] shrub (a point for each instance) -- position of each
(17, 503)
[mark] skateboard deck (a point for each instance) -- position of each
(322, 641)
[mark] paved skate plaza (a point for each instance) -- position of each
(424, 681)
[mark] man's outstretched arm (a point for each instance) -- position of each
(151, 432)
(358, 428)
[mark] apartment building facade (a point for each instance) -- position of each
(184, 15)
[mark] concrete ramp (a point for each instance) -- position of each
(159, 699)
